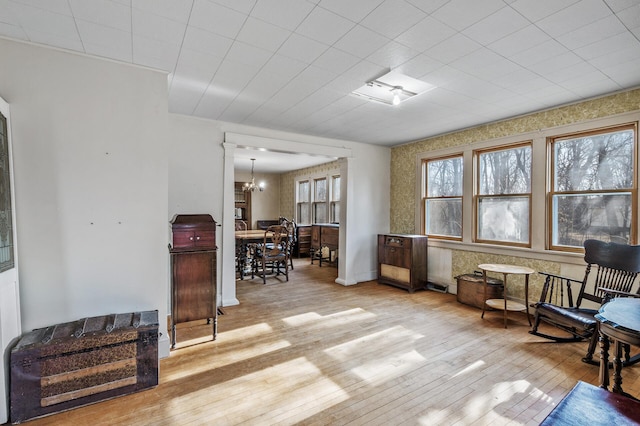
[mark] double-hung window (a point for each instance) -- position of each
(320, 200)
(303, 207)
(593, 191)
(503, 195)
(442, 200)
(334, 205)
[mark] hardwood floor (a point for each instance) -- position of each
(310, 351)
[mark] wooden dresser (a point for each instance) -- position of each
(402, 261)
(193, 271)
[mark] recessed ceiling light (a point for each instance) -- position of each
(392, 88)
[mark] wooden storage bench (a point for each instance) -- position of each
(77, 363)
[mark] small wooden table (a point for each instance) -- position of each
(505, 304)
(618, 321)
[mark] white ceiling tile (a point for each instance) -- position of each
(55, 6)
(197, 68)
(116, 43)
(573, 17)
(496, 26)
(392, 18)
(242, 6)
(630, 16)
(286, 68)
(354, 10)
(317, 22)
(539, 53)
(43, 21)
(535, 10)
(425, 34)
(233, 77)
(592, 33)
(214, 102)
(461, 14)
(453, 48)
(155, 53)
(177, 10)
(302, 48)
(623, 42)
(206, 42)
(428, 6)
(262, 34)
(282, 13)
(215, 18)
(519, 41)
(361, 42)
(12, 31)
(392, 55)
(558, 62)
(246, 54)
(157, 27)
(103, 12)
(485, 64)
(618, 5)
(624, 74)
(263, 86)
(419, 66)
(335, 60)
(53, 39)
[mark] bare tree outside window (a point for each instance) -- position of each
(304, 202)
(443, 201)
(504, 195)
(593, 187)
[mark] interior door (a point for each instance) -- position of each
(10, 327)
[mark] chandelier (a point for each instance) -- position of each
(252, 186)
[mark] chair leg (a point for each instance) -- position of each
(593, 342)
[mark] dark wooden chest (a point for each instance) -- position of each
(81, 362)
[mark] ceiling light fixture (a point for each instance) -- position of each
(252, 186)
(392, 88)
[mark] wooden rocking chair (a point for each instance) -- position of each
(616, 268)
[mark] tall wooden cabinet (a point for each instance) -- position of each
(193, 271)
(402, 261)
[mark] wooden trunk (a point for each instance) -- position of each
(471, 289)
(68, 365)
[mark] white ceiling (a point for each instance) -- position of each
(290, 65)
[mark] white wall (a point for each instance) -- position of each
(90, 157)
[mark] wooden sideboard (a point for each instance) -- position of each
(193, 271)
(303, 240)
(324, 235)
(402, 261)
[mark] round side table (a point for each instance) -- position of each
(505, 304)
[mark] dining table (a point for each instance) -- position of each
(243, 239)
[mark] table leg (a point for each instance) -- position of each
(484, 303)
(604, 361)
(526, 297)
(504, 290)
(617, 367)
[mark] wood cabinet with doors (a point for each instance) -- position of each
(303, 240)
(402, 261)
(193, 271)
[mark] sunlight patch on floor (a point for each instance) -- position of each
(470, 368)
(386, 341)
(500, 393)
(245, 333)
(322, 321)
(226, 358)
(389, 366)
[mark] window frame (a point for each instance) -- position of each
(425, 197)
(551, 192)
(333, 200)
(477, 197)
(300, 203)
